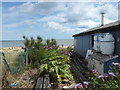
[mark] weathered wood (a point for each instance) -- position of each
(43, 82)
(76, 72)
(5, 62)
(78, 67)
(26, 56)
(39, 83)
(46, 82)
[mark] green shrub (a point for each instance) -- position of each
(57, 65)
(48, 58)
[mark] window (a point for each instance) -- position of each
(91, 41)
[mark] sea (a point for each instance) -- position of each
(19, 43)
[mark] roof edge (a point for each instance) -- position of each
(116, 23)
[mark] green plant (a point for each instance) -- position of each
(26, 42)
(51, 42)
(36, 52)
(69, 49)
(49, 58)
(57, 65)
(110, 80)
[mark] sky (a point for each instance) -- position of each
(59, 20)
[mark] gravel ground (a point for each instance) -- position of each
(25, 79)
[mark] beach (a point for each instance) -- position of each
(13, 59)
(13, 54)
(8, 49)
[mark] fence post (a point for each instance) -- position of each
(1, 57)
(26, 56)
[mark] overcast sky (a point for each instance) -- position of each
(59, 20)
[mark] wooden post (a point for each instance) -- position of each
(1, 59)
(46, 81)
(39, 84)
(26, 56)
(5, 62)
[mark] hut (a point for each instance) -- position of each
(85, 41)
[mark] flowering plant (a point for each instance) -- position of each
(109, 80)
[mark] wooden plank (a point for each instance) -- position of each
(77, 70)
(39, 83)
(46, 82)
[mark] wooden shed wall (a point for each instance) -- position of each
(116, 35)
(108, 65)
(82, 44)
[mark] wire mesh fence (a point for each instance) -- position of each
(13, 60)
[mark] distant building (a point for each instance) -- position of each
(84, 41)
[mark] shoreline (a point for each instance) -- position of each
(17, 44)
(20, 48)
(8, 49)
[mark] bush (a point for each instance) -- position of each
(49, 58)
(57, 65)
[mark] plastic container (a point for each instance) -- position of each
(97, 42)
(107, 44)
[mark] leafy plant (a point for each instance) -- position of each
(36, 52)
(48, 57)
(26, 42)
(51, 42)
(57, 65)
(110, 80)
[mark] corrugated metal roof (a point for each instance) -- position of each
(99, 28)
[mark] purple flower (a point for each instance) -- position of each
(77, 85)
(69, 54)
(86, 83)
(112, 74)
(50, 48)
(116, 63)
(94, 70)
(101, 76)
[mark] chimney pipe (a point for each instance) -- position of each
(102, 18)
